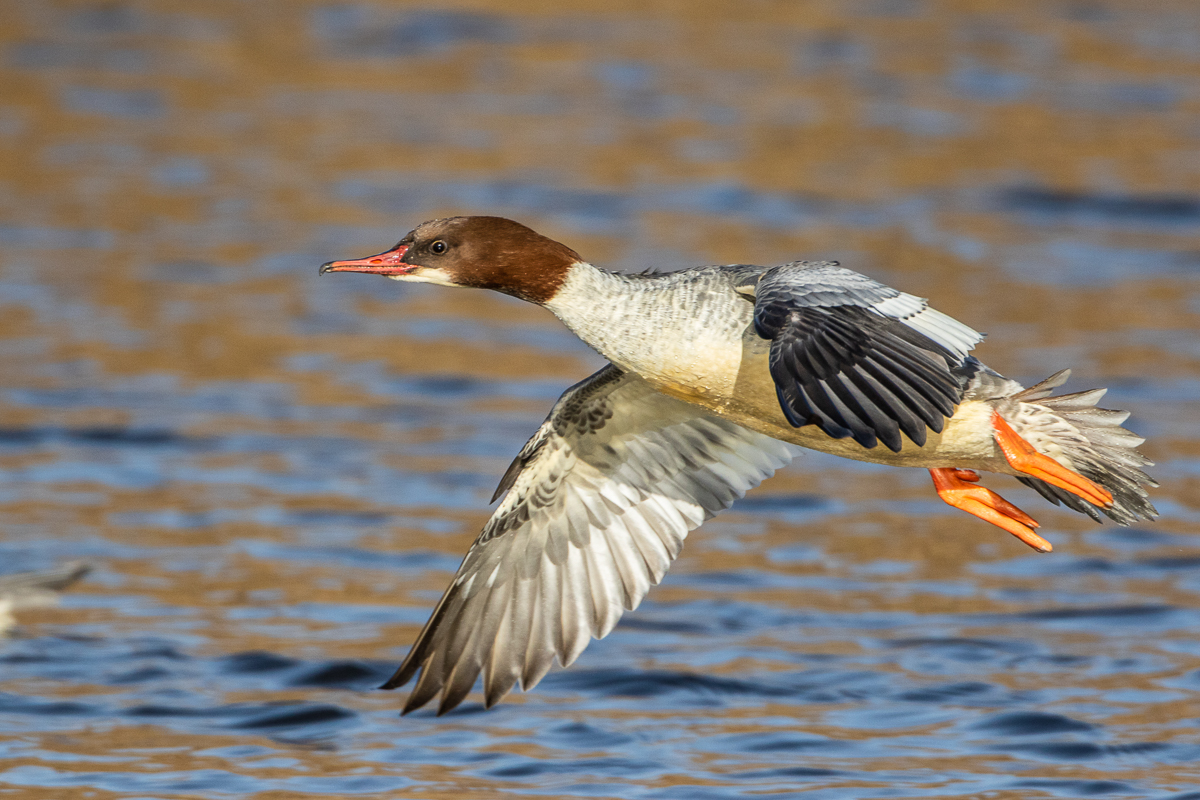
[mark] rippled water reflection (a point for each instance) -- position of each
(275, 475)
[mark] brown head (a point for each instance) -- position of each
(482, 252)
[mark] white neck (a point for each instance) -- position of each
(675, 330)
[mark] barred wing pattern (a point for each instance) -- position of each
(598, 504)
(856, 357)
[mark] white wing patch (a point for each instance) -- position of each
(943, 329)
(606, 492)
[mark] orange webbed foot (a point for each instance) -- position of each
(1021, 455)
(957, 488)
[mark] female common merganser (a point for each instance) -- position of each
(712, 370)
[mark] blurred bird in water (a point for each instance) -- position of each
(36, 589)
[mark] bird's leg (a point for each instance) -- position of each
(1023, 458)
(957, 487)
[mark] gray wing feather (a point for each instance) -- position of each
(826, 284)
(856, 357)
(598, 504)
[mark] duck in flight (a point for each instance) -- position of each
(712, 370)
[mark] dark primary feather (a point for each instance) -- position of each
(598, 503)
(839, 363)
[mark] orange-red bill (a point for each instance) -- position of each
(1021, 455)
(390, 262)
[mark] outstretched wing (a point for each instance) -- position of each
(858, 358)
(599, 502)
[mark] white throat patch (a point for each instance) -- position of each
(426, 275)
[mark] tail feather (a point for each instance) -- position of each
(1091, 441)
(1082, 400)
(1043, 389)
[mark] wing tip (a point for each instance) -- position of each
(403, 674)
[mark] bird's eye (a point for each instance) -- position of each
(438, 247)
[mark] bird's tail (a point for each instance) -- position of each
(1089, 440)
